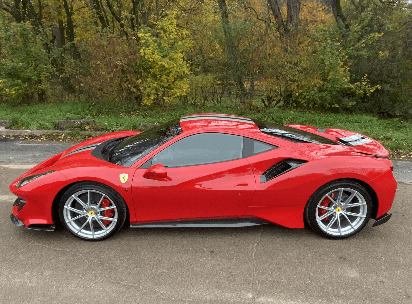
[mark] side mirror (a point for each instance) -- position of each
(158, 171)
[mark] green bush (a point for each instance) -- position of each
(25, 66)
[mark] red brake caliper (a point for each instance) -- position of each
(325, 203)
(107, 213)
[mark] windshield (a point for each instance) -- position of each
(127, 152)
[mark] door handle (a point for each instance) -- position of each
(242, 185)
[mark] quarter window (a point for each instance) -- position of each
(253, 147)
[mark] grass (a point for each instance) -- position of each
(395, 134)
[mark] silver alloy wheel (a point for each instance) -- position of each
(84, 214)
(341, 211)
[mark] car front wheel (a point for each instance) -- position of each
(92, 211)
(339, 209)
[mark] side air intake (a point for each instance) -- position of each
(281, 168)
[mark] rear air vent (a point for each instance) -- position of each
(354, 140)
(280, 168)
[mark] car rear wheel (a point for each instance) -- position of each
(339, 209)
(91, 211)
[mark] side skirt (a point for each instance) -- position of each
(203, 223)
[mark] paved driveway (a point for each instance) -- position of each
(263, 264)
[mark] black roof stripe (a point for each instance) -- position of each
(217, 117)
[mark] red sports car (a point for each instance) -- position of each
(210, 170)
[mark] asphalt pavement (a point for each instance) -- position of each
(262, 264)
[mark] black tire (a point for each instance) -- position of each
(80, 211)
(339, 209)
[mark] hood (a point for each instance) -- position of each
(66, 156)
(359, 142)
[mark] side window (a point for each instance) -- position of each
(199, 149)
(253, 147)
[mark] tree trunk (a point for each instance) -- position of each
(339, 16)
(69, 26)
(231, 50)
(293, 13)
(97, 7)
(274, 6)
(118, 17)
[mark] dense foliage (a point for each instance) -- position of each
(353, 56)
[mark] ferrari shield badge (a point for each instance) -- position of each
(124, 177)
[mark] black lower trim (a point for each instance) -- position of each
(381, 220)
(42, 227)
(20, 203)
(37, 227)
(15, 220)
(203, 223)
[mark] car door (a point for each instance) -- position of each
(206, 178)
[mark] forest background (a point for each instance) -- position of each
(352, 56)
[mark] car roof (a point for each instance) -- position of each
(215, 121)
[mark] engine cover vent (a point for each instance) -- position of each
(354, 140)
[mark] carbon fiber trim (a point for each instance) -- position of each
(221, 223)
(82, 149)
(217, 117)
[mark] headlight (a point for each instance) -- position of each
(30, 178)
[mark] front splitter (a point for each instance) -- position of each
(37, 227)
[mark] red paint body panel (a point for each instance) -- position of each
(229, 189)
(40, 193)
(283, 199)
(207, 191)
(385, 188)
(39, 198)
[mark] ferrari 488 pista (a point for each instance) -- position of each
(210, 170)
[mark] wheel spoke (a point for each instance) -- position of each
(101, 224)
(356, 205)
(77, 217)
(332, 200)
(88, 198)
(339, 226)
(74, 210)
(107, 208)
(331, 223)
(350, 223)
(100, 202)
(353, 214)
(340, 195)
(326, 208)
(106, 218)
(80, 201)
(350, 198)
(91, 226)
(85, 223)
(326, 214)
